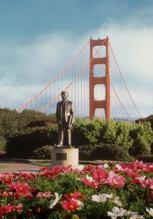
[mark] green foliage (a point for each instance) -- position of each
(108, 132)
(142, 136)
(9, 123)
(28, 140)
(66, 183)
(3, 143)
(104, 152)
(116, 133)
(24, 134)
(12, 122)
(41, 184)
(43, 152)
(122, 135)
(86, 131)
(148, 119)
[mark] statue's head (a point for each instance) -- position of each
(64, 95)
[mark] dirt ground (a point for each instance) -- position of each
(17, 167)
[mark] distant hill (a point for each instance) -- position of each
(147, 119)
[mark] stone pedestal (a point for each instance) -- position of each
(65, 157)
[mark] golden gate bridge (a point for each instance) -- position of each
(95, 83)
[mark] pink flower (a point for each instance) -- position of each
(118, 168)
(70, 205)
(89, 169)
(6, 177)
(149, 183)
(137, 166)
(149, 168)
(100, 175)
(145, 183)
(54, 171)
(6, 194)
(7, 208)
(131, 173)
(19, 208)
(115, 180)
(89, 181)
(21, 189)
(27, 176)
(72, 202)
(74, 195)
(43, 195)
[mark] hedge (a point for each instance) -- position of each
(130, 138)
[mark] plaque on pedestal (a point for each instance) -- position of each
(65, 157)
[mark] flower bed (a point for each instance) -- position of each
(120, 190)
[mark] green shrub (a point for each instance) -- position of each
(3, 143)
(148, 119)
(12, 122)
(122, 135)
(116, 133)
(108, 132)
(86, 131)
(26, 142)
(85, 151)
(151, 146)
(142, 137)
(104, 152)
(43, 152)
(24, 132)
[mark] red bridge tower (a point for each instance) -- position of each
(103, 80)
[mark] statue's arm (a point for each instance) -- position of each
(72, 111)
(57, 114)
(71, 115)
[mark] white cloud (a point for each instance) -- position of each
(133, 48)
(11, 96)
(140, 96)
(35, 62)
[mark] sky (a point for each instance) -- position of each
(37, 38)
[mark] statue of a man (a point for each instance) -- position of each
(64, 116)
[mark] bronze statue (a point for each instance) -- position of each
(64, 116)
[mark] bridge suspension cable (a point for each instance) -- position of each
(121, 74)
(28, 102)
(69, 85)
